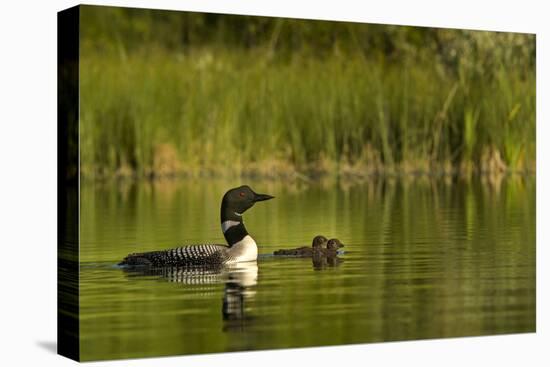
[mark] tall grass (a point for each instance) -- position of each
(231, 112)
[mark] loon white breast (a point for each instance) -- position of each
(242, 246)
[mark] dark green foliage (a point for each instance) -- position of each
(174, 92)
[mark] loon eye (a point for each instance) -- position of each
(241, 194)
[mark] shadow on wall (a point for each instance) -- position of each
(49, 345)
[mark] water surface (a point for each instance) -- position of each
(423, 259)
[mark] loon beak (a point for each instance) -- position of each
(262, 197)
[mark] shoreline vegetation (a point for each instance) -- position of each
(170, 94)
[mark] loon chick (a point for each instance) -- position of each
(305, 251)
(242, 246)
(332, 247)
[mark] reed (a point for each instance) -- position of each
(217, 111)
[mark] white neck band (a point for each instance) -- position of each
(228, 224)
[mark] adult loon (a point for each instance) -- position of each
(305, 251)
(242, 246)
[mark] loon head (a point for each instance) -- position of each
(318, 241)
(334, 244)
(238, 200)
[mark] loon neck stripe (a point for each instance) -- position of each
(228, 224)
(235, 233)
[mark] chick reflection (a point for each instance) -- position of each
(321, 262)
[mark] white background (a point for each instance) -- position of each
(28, 182)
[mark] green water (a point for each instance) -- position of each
(423, 259)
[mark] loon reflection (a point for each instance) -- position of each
(239, 280)
(239, 289)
